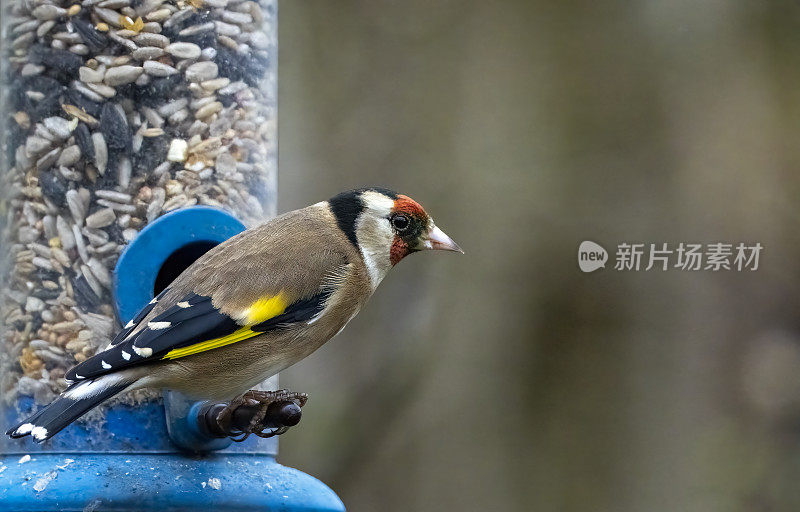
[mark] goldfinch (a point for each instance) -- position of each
(253, 305)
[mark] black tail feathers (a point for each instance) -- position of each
(68, 407)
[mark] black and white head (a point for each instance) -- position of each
(386, 227)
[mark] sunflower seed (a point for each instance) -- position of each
(155, 68)
(147, 53)
(65, 233)
(201, 71)
(69, 156)
(183, 50)
(240, 18)
(109, 16)
(89, 75)
(48, 12)
(77, 206)
(122, 75)
(113, 195)
(101, 218)
(100, 152)
(146, 39)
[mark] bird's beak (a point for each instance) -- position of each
(439, 241)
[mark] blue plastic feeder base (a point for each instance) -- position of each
(160, 482)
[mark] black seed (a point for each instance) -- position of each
(153, 152)
(93, 38)
(84, 139)
(62, 61)
(159, 89)
(226, 99)
(47, 107)
(115, 128)
(107, 180)
(16, 137)
(84, 295)
(115, 233)
(45, 294)
(47, 275)
(229, 63)
(37, 319)
(195, 19)
(20, 100)
(126, 90)
(42, 83)
(52, 187)
(237, 66)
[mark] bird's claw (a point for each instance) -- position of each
(262, 400)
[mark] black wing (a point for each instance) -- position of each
(192, 320)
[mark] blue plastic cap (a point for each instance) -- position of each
(138, 266)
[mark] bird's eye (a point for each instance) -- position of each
(400, 222)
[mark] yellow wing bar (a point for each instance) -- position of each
(260, 311)
(239, 335)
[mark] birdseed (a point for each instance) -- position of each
(114, 113)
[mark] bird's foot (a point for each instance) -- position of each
(280, 409)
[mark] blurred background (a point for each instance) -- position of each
(506, 379)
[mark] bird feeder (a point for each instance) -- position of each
(136, 135)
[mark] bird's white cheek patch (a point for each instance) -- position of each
(375, 241)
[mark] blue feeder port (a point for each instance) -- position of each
(151, 456)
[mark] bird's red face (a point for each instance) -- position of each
(414, 230)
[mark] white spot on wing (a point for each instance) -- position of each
(155, 299)
(126, 356)
(90, 388)
(143, 352)
(105, 365)
(129, 324)
(79, 376)
(155, 326)
(184, 305)
(39, 433)
(24, 428)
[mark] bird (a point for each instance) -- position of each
(252, 306)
